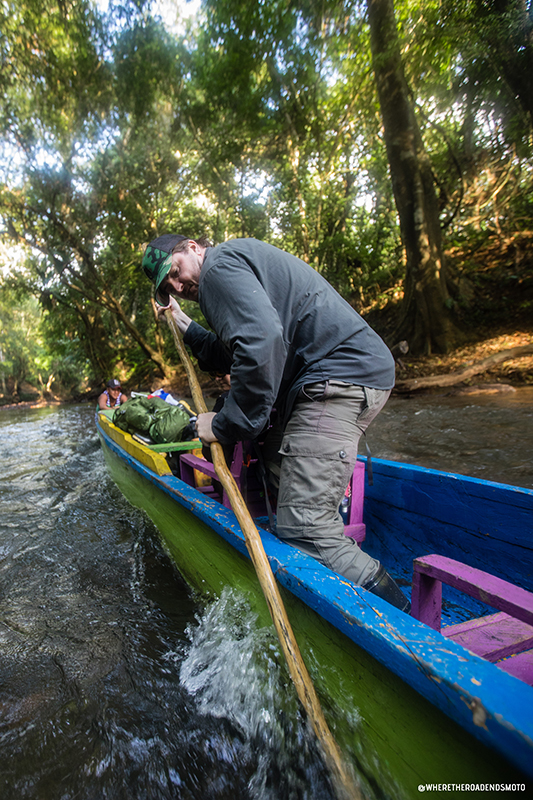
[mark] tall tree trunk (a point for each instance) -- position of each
(426, 320)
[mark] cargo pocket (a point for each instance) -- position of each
(314, 475)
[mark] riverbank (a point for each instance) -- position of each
(39, 403)
(514, 372)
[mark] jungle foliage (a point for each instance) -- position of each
(370, 139)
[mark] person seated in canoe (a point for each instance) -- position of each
(112, 396)
(289, 341)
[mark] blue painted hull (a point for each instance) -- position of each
(409, 512)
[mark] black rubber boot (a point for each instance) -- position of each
(386, 587)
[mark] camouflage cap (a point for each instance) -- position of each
(157, 258)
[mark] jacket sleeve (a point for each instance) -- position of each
(239, 310)
(211, 353)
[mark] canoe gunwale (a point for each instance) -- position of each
(487, 702)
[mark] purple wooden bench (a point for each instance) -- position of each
(505, 635)
(254, 490)
(189, 463)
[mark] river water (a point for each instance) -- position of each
(486, 436)
(115, 681)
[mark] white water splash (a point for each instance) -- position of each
(235, 673)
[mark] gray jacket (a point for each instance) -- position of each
(278, 326)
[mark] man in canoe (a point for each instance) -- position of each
(290, 342)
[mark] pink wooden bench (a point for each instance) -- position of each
(189, 463)
(356, 528)
(505, 635)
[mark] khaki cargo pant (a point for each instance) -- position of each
(314, 464)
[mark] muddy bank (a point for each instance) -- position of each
(502, 377)
(41, 403)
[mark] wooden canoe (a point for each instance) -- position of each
(409, 703)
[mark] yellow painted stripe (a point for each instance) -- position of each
(154, 461)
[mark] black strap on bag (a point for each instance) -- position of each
(369, 472)
(263, 476)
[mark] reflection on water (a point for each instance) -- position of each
(114, 681)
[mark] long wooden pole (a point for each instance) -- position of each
(342, 779)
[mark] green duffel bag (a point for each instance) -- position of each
(169, 424)
(138, 414)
